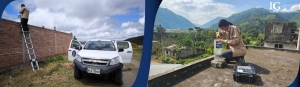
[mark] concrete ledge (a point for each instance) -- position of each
(277, 49)
(172, 77)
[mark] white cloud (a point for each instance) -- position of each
(6, 15)
(292, 8)
(126, 24)
(142, 20)
(84, 19)
(106, 31)
(199, 11)
(259, 6)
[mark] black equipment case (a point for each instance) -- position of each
(244, 73)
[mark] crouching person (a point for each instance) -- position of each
(237, 49)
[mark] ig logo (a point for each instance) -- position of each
(274, 7)
(74, 53)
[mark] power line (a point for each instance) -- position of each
(97, 19)
(106, 13)
(111, 11)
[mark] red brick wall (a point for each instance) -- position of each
(43, 42)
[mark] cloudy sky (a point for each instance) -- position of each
(86, 19)
(202, 11)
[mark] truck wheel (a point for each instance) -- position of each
(118, 77)
(77, 73)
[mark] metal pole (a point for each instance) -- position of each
(298, 42)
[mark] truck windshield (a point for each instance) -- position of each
(100, 45)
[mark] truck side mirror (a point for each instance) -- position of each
(78, 48)
(120, 50)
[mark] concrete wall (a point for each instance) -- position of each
(283, 36)
(183, 54)
(270, 48)
(11, 52)
(285, 45)
(169, 78)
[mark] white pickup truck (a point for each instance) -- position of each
(100, 57)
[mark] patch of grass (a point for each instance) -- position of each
(253, 42)
(56, 71)
(138, 50)
(137, 53)
(58, 58)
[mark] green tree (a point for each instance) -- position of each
(253, 33)
(160, 32)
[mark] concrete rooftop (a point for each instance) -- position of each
(274, 69)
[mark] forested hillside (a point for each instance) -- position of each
(255, 18)
(170, 20)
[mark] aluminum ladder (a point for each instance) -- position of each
(30, 50)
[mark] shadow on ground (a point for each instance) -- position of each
(185, 77)
(92, 80)
(259, 70)
(257, 81)
(95, 80)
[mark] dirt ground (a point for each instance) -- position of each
(274, 69)
(60, 74)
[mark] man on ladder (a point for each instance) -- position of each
(29, 45)
(24, 18)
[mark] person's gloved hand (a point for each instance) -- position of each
(218, 35)
(19, 15)
(221, 41)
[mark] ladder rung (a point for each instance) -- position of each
(31, 53)
(32, 60)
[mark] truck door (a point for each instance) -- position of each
(72, 51)
(127, 53)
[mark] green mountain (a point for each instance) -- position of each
(296, 19)
(137, 40)
(255, 18)
(208, 24)
(169, 20)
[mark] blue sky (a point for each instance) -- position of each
(122, 22)
(242, 5)
(202, 11)
(133, 17)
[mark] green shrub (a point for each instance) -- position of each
(134, 45)
(57, 58)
